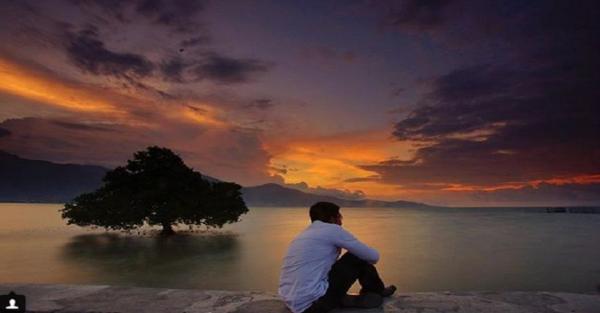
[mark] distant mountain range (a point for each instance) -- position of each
(24, 180)
(277, 195)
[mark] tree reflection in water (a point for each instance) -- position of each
(183, 261)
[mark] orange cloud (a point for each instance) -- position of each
(333, 160)
(579, 180)
(203, 114)
(18, 80)
(103, 103)
(557, 181)
(105, 123)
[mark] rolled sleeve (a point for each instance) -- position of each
(346, 240)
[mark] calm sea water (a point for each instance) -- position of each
(422, 250)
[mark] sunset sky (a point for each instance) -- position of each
(445, 102)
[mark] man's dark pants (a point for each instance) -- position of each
(344, 272)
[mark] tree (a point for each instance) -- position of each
(156, 188)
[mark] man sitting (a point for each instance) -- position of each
(314, 280)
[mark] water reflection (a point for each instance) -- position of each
(178, 261)
(422, 250)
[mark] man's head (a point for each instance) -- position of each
(326, 212)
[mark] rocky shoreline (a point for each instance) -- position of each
(105, 299)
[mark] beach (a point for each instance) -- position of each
(105, 299)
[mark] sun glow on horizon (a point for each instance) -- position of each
(335, 161)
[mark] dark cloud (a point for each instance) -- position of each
(110, 8)
(178, 14)
(4, 132)
(530, 114)
(327, 54)
(415, 14)
(195, 41)
(93, 41)
(88, 52)
(398, 91)
(173, 69)
(197, 109)
(279, 170)
(464, 100)
(372, 178)
(133, 83)
(212, 67)
(226, 70)
(396, 162)
(81, 127)
(260, 104)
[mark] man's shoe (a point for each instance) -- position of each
(368, 300)
(388, 291)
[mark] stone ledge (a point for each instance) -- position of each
(113, 299)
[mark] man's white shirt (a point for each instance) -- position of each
(310, 257)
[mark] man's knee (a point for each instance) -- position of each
(353, 259)
(346, 269)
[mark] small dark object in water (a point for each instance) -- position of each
(181, 50)
(557, 210)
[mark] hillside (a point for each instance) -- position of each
(25, 180)
(277, 195)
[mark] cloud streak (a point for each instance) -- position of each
(177, 14)
(226, 70)
(225, 153)
(414, 14)
(41, 85)
(525, 118)
(496, 97)
(88, 53)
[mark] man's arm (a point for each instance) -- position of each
(346, 240)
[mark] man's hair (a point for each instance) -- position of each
(324, 212)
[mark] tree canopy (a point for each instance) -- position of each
(157, 188)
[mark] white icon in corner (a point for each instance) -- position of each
(11, 305)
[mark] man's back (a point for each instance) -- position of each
(309, 259)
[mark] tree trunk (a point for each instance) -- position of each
(167, 229)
